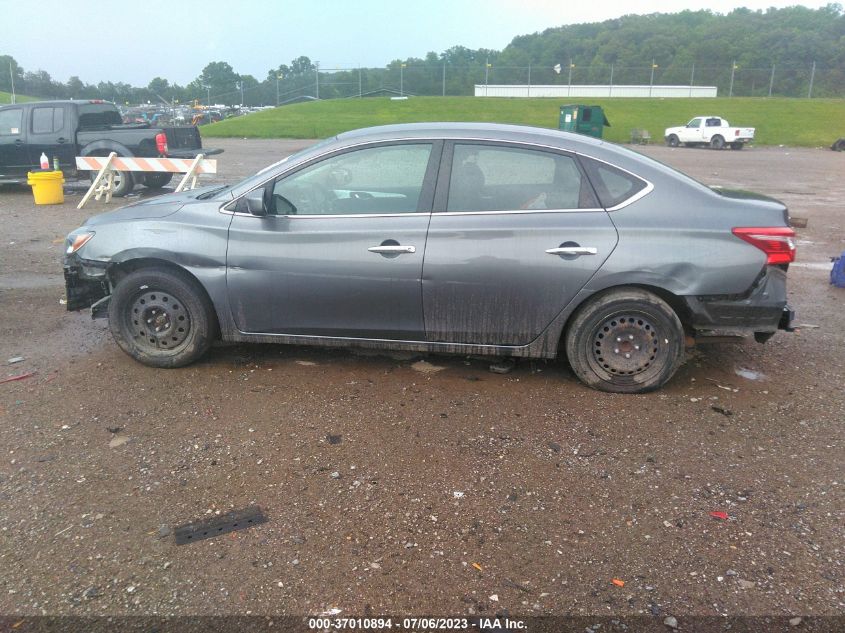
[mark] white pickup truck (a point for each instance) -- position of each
(709, 130)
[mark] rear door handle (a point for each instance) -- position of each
(572, 250)
(19, 142)
(392, 248)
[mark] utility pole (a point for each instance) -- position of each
(529, 80)
(691, 79)
(444, 79)
(401, 80)
(317, 80)
(610, 91)
(772, 80)
(12, 77)
(651, 81)
(208, 92)
(486, 73)
(359, 82)
(278, 77)
(812, 76)
(733, 70)
(571, 66)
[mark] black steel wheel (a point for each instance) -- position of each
(160, 317)
(157, 180)
(626, 340)
(717, 142)
(673, 140)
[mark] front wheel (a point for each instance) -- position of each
(717, 142)
(161, 318)
(625, 341)
(672, 141)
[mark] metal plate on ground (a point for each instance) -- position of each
(229, 522)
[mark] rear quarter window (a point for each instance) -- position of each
(613, 185)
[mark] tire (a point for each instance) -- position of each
(717, 142)
(171, 298)
(157, 180)
(737, 145)
(672, 141)
(626, 340)
(124, 183)
(838, 145)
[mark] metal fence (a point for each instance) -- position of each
(735, 80)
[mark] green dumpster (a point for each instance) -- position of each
(583, 119)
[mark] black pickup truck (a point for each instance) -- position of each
(67, 129)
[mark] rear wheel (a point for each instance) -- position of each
(625, 341)
(717, 142)
(124, 183)
(737, 145)
(672, 141)
(161, 318)
(157, 180)
(838, 145)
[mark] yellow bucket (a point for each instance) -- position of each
(47, 186)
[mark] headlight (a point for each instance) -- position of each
(78, 241)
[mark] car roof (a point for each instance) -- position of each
(467, 130)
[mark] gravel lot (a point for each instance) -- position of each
(397, 486)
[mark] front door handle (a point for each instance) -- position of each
(393, 249)
(61, 140)
(19, 142)
(572, 250)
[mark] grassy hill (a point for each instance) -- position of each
(6, 97)
(796, 122)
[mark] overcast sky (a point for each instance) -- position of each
(137, 41)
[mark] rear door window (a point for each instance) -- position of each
(497, 178)
(47, 120)
(613, 185)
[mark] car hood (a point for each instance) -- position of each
(158, 207)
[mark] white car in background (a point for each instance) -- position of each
(712, 131)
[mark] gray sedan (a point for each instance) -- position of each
(449, 237)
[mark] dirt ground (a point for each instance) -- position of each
(393, 487)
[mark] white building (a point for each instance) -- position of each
(606, 90)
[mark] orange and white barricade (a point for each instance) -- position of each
(105, 166)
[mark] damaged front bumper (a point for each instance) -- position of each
(762, 310)
(86, 286)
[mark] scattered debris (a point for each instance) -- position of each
(795, 621)
(335, 475)
(29, 374)
(749, 374)
(16, 359)
(618, 582)
(91, 593)
(718, 514)
(114, 429)
(164, 531)
(731, 572)
(746, 584)
(505, 366)
(671, 622)
(63, 531)
(725, 387)
(458, 494)
(424, 367)
(725, 412)
(334, 439)
(229, 522)
(494, 598)
(332, 611)
(306, 363)
(507, 582)
(118, 440)
(375, 565)
(477, 566)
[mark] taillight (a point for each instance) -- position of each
(736, 133)
(161, 143)
(777, 242)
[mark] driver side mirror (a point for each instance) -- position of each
(255, 202)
